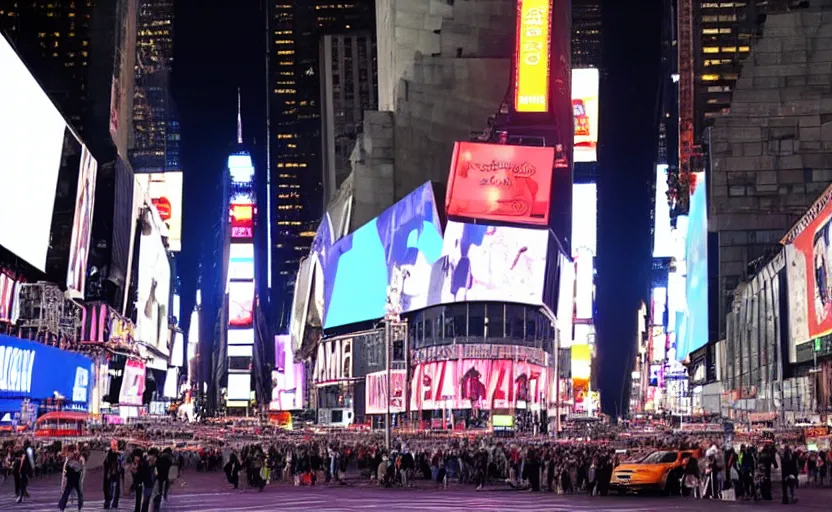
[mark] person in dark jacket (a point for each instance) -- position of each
(532, 471)
(145, 479)
(232, 470)
(73, 478)
(112, 476)
(789, 470)
(163, 466)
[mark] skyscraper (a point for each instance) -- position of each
(586, 33)
(295, 163)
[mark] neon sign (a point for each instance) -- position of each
(532, 55)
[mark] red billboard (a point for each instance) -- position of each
(242, 220)
(500, 182)
(487, 384)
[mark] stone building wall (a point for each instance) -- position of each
(771, 157)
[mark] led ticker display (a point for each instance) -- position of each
(242, 220)
(500, 182)
(532, 55)
(585, 113)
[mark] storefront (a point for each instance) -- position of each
(34, 373)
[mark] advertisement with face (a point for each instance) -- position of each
(31, 143)
(240, 303)
(500, 182)
(485, 384)
(82, 225)
(288, 377)
(165, 191)
(810, 277)
(693, 333)
(132, 383)
(375, 392)
(152, 325)
(405, 240)
(483, 263)
(585, 112)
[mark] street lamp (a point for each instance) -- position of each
(392, 317)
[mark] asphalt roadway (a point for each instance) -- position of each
(209, 492)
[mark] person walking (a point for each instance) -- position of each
(112, 476)
(232, 470)
(789, 469)
(73, 478)
(163, 466)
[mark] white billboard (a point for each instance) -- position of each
(662, 238)
(152, 307)
(165, 191)
(584, 217)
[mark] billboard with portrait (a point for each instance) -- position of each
(31, 145)
(152, 307)
(288, 377)
(585, 113)
(82, 225)
(405, 240)
(500, 182)
(376, 395)
(165, 191)
(809, 274)
(240, 304)
(693, 331)
(484, 384)
(132, 383)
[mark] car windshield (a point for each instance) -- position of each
(660, 458)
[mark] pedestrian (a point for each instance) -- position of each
(163, 466)
(232, 470)
(789, 470)
(73, 478)
(112, 476)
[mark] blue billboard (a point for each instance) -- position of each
(406, 239)
(35, 371)
(693, 327)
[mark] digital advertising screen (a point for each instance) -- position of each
(241, 262)
(31, 144)
(484, 384)
(532, 54)
(242, 220)
(376, 395)
(239, 386)
(662, 237)
(500, 182)
(165, 191)
(581, 366)
(401, 243)
(288, 377)
(152, 307)
(82, 225)
(566, 300)
(7, 295)
(585, 113)
(584, 284)
(659, 302)
(240, 303)
(241, 168)
(585, 217)
(240, 336)
(659, 344)
(693, 333)
(132, 383)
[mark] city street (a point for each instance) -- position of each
(208, 492)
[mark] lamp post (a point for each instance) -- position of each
(391, 318)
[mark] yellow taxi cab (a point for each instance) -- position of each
(660, 471)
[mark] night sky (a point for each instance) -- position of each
(219, 46)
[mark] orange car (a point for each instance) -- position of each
(660, 471)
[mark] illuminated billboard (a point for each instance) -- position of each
(132, 383)
(581, 366)
(239, 386)
(154, 283)
(241, 262)
(242, 220)
(693, 333)
(288, 377)
(584, 217)
(662, 236)
(500, 182)
(31, 144)
(659, 301)
(241, 168)
(240, 303)
(76, 276)
(809, 277)
(566, 300)
(585, 114)
(584, 284)
(532, 55)
(165, 191)
(240, 337)
(376, 394)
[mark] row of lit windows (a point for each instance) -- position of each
(721, 18)
(290, 207)
(722, 5)
(285, 52)
(717, 62)
(725, 49)
(284, 41)
(290, 164)
(288, 223)
(285, 91)
(710, 31)
(287, 185)
(712, 77)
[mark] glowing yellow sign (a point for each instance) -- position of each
(532, 55)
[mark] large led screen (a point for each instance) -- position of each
(154, 284)
(693, 333)
(239, 386)
(241, 168)
(809, 275)
(405, 240)
(500, 182)
(566, 300)
(241, 262)
(488, 263)
(581, 366)
(242, 220)
(288, 377)
(484, 384)
(584, 217)
(241, 303)
(165, 191)
(82, 225)
(584, 284)
(132, 383)
(376, 394)
(31, 142)
(585, 113)
(240, 336)
(662, 237)
(532, 54)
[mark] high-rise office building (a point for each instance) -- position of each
(295, 163)
(349, 86)
(152, 102)
(586, 33)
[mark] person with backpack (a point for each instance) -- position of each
(73, 478)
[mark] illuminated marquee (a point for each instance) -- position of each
(242, 220)
(532, 55)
